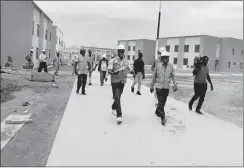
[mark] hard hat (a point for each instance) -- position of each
(82, 49)
(31, 49)
(43, 50)
(90, 50)
(104, 56)
(162, 49)
(121, 47)
(164, 53)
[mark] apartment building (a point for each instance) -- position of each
(225, 54)
(58, 41)
(133, 47)
(24, 26)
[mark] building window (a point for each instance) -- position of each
(33, 28)
(175, 60)
(197, 48)
(128, 57)
(176, 48)
(134, 48)
(50, 36)
(38, 30)
(241, 52)
(50, 53)
(168, 48)
(186, 48)
(233, 51)
(37, 53)
(185, 61)
(241, 65)
(46, 35)
(234, 63)
(228, 64)
(128, 48)
(134, 58)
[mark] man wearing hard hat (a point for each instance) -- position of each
(161, 49)
(118, 68)
(102, 68)
(163, 74)
(57, 62)
(43, 61)
(91, 60)
(82, 68)
(74, 60)
(29, 58)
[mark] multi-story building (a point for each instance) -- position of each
(58, 44)
(133, 47)
(225, 54)
(24, 26)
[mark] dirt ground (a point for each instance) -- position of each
(32, 144)
(225, 102)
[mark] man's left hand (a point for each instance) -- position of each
(143, 77)
(211, 87)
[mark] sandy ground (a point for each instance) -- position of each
(32, 144)
(225, 102)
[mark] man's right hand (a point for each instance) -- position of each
(151, 90)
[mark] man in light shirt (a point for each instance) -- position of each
(43, 61)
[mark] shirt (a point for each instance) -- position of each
(162, 75)
(115, 64)
(43, 58)
(201, 75)
(139, 66)
(82, 65)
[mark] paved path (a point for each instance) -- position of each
(89, 136)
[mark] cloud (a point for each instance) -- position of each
(102, 23)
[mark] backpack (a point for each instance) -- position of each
(104, 66)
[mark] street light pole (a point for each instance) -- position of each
(159, 16)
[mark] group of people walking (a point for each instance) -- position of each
(163, 73)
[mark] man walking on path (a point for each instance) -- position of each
(139, 73)
(43, 61)
(74, 60)
(82, 67)
(91, 60)
(57, 62)
(102, 68)
(162, 49)
(162, 75)
(201, 72)
(118, 69)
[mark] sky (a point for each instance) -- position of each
(103, 23)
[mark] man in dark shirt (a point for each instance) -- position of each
(139, 73)
(200, 84)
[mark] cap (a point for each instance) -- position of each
(104, 56)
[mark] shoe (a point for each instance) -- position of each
(101, 84)
(132, 89)
(83, 93)
(90, 84)
(199, 112)
(190, 107)
(119, 120)
(138, 93)
(114, 112)
(158, 115)
(163, 121)
(77, 92)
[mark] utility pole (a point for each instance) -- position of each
(159, 16)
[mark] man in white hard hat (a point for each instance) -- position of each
(91, 60)
(82, 67)
(118, 69)
(161, 49)
(102, 68)
(57, 62)
(29, 58)
(74, 60)
(163, 74)
(43, 61)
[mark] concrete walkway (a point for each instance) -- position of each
(89, 136)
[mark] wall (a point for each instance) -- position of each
(172, 42)
(50, 41)
(16, 31)
(227, 44)
(54, 41)
(148, 51)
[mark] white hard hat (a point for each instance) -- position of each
(164, 53)
(31, 49)
(104, 56)
(162, 49)
(121, 47)
(43, 50)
